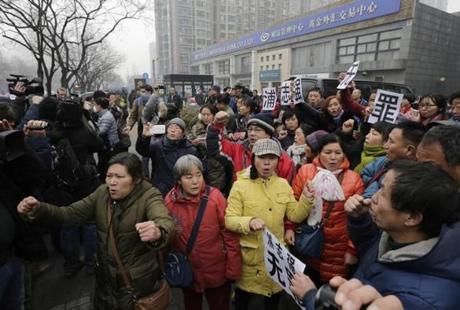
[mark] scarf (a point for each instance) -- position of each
(368, 155)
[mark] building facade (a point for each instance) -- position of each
(185, 26)
(401, 41)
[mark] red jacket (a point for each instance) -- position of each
(216, 256)
(336, 241)
(240, 154)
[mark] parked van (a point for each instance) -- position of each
(329, 86)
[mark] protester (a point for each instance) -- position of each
(291, 123)
(333, 260)
(215, 257)
(260, 199)
(454, 103)
(432, 108)
(134, 211)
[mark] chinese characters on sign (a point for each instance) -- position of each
(286, 93)
(387, 105)
(298, 97)
(351, 73)
(269, 98)
(280, 264)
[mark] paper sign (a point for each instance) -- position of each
(269, 98)
(298, 97)
(387, 105)
(351, 73)
(280, 264)
(286, 93)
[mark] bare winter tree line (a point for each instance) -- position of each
(68, 36)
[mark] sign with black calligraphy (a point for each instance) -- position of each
(387, 105)
(286, 93)
(269, 101)
(280, 264)
(351, 73)
(298, 96)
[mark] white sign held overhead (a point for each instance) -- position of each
(286, 93)
(280, 264)
(351, 73)
(387, 106)
(269, 98)
(298, 96)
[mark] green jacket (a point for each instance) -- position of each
(144, 203)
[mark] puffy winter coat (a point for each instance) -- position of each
(423, 275)
(332, 260)
(372, 175)
(164, 154)
(270, 200)
(240, 154)
(216, 256)
(144, 203)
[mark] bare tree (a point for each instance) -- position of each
(59, 34)
(97, 68)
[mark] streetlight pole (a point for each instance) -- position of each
(154, 78)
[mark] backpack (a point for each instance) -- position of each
(76, 178)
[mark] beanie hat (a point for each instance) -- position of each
(266, 146)
(314, 138)
(264, 121)
(177, 121)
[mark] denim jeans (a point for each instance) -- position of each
(70, 245)
(12, 285)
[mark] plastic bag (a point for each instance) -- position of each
(328, 188)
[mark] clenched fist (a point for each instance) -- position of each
(148, 231)
(28, 206)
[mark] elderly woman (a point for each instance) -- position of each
(332, 158)
(134, 212)
(165, 151)
(259, 199)
(215, 257)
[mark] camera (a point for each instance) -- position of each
(33, 86)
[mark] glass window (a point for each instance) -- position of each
(279, 66)
(342, 51)
(346, 59)
(267, 67)
(390, 34)
(273, 67)
(280, 56)
(384, 45)
(371, 47)
(261, 59)
(349, 41)
(267, 58)
(395, 44)
(368, 38)
(350, 50)
(261, 68)
(273, 57)
(366, 57)
(361, 48)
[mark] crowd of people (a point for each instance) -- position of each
(385, 196)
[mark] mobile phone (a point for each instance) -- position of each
(158, 130)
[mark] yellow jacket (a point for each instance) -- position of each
(270, 200)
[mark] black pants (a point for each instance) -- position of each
(247, 301)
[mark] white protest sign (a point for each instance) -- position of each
(351, 73)
(298, 96)
(280, 264)
(387, 105)
(286, 93)
(269, 98)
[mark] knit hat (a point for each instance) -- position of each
(266, 146)
(177, 121)
(314, 138)
(264, 121)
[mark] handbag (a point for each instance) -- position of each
(309, 240)
(178, 271)
(159, 299)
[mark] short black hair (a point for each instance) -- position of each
(223, 98)
(103, 102)
(328, 139)
(316, 89)
(425, 189)
(287, 115)
(147, 87)
(412, 132)
(455, 95)
(212, 108)
(249, 102)
(132, 163)
(439, 100)
(383, 128)
(449, 139)
(7, 112)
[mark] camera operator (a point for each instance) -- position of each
(21, 174)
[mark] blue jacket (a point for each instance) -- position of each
(372, 175)
(424, 275)
(164, 154)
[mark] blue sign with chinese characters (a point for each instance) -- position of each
(270, 75)
(349, 13)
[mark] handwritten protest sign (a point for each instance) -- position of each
(298, 96)
(387, 105)
(351, 73)
(286, 93)
(269, 98)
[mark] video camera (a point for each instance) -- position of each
(33, 86)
